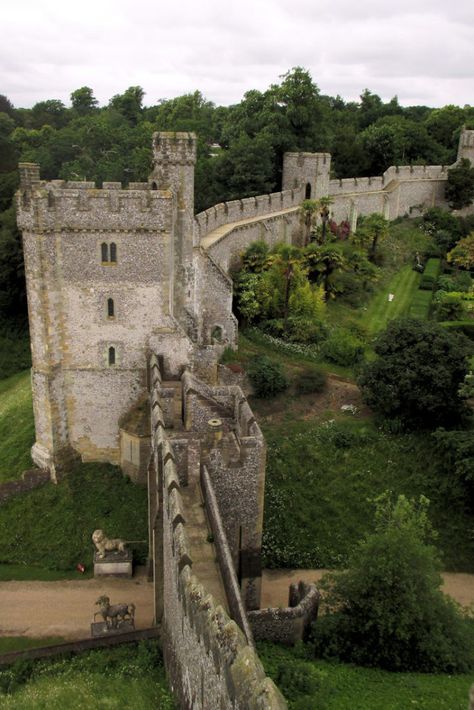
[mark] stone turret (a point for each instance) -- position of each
(174, 157)
(466, 145)
(308, 169)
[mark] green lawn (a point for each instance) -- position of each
(380, 310)
(129, 676)
(17, 431)
(319, 685)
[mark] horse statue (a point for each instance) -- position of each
(115, 614)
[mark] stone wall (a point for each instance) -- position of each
(248, 208)
(227, 249)
(226, 564)
(290, 624)
(210, 663)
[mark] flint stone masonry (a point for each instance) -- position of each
(211, 662)
(290, 624)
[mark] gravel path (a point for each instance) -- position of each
(66, 608)
(276, 583)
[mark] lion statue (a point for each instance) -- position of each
(105, 544)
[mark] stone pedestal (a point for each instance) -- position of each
(114, 564)
(100, 628)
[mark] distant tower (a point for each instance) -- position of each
(309, 171)
(466, 145)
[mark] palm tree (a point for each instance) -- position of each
(322, 261)
(308, 211)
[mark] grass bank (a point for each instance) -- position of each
(17, 430)
(129, 676)
(48, 531)
(322, 477)
(309, 684)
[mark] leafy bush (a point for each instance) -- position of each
(417, 374)
(267, 377)
(437, 219)
(310, 381)
(449, 306)
(431, 274)
(306, 330)
(457, 281)
(460, 326)
(343, 348)
(387, 609)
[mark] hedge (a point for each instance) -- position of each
(431, 274)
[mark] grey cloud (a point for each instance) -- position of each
(418, 49)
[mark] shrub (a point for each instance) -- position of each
(460, 326)
(343, 348)
(457, 281)
(449, 306)
(417, 374)
(267, 377)
(431, 274)
(306, 330)
(387, 609)
(310, 381)
(437, 219)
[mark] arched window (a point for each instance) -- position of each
(104, 250)
(154, 186)
(307, 195)
(110, 308)
(113, 252)
(111, 356)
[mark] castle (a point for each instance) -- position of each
(130, 308)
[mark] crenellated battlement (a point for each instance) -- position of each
(247, 208)
(65, 205)
(177, 148)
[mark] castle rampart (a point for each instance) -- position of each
(210, 659)
(248, 208)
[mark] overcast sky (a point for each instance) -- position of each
(421, 50)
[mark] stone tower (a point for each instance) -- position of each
(308, 169)
(174, 157)
(466, 145)
(112, 276)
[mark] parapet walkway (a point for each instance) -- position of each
(210, 239)
(202, 550)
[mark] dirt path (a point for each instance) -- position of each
(66, 608)
(276, 583)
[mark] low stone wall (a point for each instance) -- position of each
(34, 478)
(80, 646)
(290, 624)
(224, 556)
